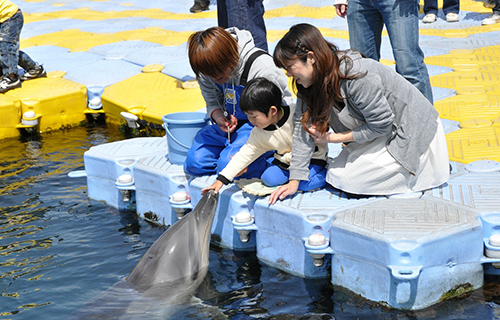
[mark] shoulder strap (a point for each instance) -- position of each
(248, 64)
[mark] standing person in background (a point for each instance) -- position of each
(11, 23)
(366, 19)
(244, 15)
(224, 61)
(451, 8)
(394, 139)
(495, 17)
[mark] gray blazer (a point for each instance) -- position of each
(387, 103)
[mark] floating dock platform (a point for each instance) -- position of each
(126, 62)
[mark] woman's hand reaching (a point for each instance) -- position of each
(330, 137)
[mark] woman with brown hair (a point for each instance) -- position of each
(223, 61)
(394, 141)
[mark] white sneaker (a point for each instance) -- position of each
(494, 18)
(429, 18)
(452, 17)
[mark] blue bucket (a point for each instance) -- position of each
(181, 128)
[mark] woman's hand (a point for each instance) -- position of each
(215, 186)
(285, 190)
(341, 10)
(226, 125)
(330, 137)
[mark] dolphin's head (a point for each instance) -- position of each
(179, 257)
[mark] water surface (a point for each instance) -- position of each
(58, 250)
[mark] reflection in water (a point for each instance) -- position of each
(58, 250)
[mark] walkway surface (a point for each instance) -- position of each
(104, 45)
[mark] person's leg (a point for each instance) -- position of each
(365, 28)
(257, 24)
(203, 155)
(451, 6)
(401, 20)
(222, 14)
(10, 31)
(248, 15)
(274, 176)
(317, 178)
(26, 62)
(431, 6)
(496, 8)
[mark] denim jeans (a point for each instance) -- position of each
(10, 56)
(244, 15)
(449, 6)
(366, 19)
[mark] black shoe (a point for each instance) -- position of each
(33, 74)
(6, 83)
(200, 6)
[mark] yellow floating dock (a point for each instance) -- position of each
(137, 55)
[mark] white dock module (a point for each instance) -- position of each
(162, 190)
(477, 187)
(284, 230)
(106, 163)
(407, 253)
(232, 201)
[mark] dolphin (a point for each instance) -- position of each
(169, 272)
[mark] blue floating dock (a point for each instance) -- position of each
(407, 251)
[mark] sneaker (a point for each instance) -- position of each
(489, 4)
(200, 6)
(6, 84)
(494, 18)
(429, 18)
(452, 17)
(33, 74)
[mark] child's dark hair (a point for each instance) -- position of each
(260, 94)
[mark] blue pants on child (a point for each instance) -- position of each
(275, 176)
(211, 152)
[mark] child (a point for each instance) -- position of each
(273, 130)
(224, 61)
(11, 23)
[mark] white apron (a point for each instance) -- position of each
(368, 168)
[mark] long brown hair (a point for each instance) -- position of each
(323, 94)
(212, 52)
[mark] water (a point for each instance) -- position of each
(58, 250)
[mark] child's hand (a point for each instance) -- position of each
(215, 186)
(285, 190)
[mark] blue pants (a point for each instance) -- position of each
(449, 6)
(211, 152)
(244, 15)
(10, 56)
(275, 176)
(366, 19)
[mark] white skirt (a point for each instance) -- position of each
(368, 168)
